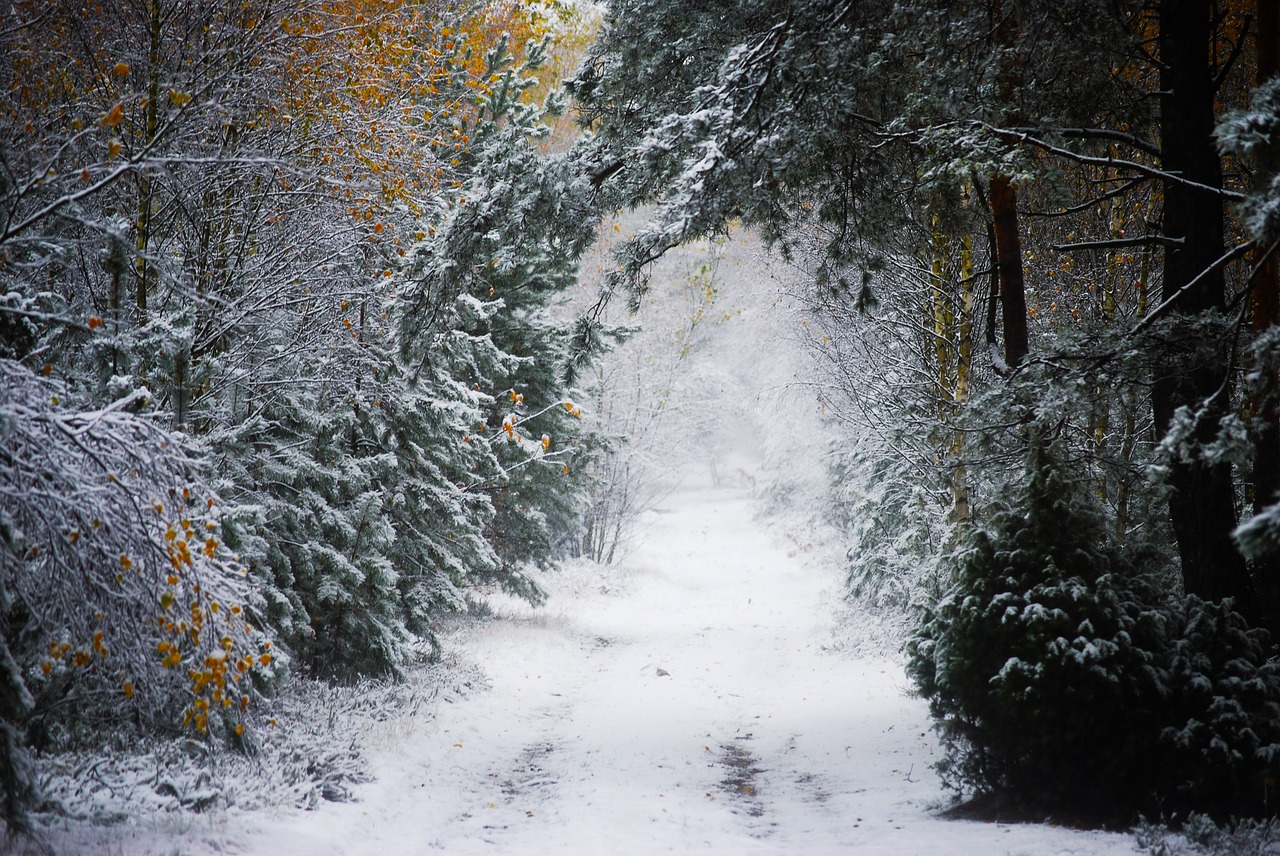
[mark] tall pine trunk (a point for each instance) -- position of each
(1007, 239)
(1013, 297)
(1202, 500)
(146, 272)
(1265, 310)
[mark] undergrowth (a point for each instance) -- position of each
(315, 749)
(1200, 836)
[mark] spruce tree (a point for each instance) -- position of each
(1043, 664)
(507, 248)
(1065, 681)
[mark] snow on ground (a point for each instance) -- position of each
(687, 702)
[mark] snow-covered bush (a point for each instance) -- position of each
(1040, 665)
(1062, 680)
(1253, 133)
(1201, 836)
(1221, 742)
(120, 610)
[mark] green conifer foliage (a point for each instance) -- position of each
(1063, 682)
(507, 249)
(1038, 665)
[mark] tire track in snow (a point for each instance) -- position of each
(685, 702)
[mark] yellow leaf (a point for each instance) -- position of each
(114, 116)
(121, 69)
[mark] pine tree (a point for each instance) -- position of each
(1064, 680)
(507, 248)
(1041, 665)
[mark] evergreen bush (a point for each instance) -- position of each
(1064, 682)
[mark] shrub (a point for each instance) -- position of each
(1063, 682)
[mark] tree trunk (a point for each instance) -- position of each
(1013, 298)
(1265, 309)
(1202, 501)
(964, 368)
(940, 310)
(1265, 296)
(993, 294)
(146, 192)
(19, 784)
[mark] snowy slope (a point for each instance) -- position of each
(686, 703)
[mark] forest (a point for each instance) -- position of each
(324, 321)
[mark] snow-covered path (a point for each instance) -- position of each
(686, 703)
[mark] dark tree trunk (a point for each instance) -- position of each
(1202, 502)
(1013, 298)
(19, 788)
(1265, 309)
(1265, 303)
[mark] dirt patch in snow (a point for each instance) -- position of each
(740, 776)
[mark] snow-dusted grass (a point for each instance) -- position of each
(174, 797)
(695, 700)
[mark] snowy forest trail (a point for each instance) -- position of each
(687, 701)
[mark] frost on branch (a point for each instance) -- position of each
(113, 582)
(1255, 133)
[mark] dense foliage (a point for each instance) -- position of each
(274, 290)
(1011, 214)
(1066, 682)
(280, 361)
